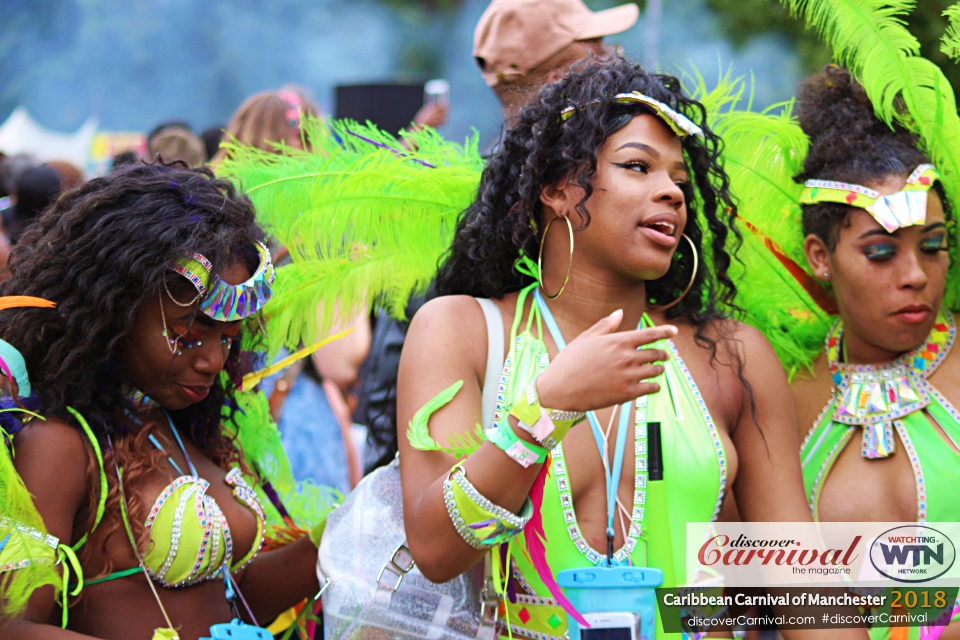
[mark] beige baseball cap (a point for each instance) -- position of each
(515, 36)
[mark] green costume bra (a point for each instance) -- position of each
(878, 400)
(190, 539)
(691, 443)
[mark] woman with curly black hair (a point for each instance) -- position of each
(604, 217)
(156, 271)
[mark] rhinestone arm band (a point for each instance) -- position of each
(480, 523)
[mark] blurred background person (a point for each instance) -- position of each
(268, 119)
(37, 189)
(12, 167)
(176, 141)
(312, 402)
(211, 138)
(122, 159)
(520, 46)
(70, 175)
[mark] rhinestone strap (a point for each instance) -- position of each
(917, 471)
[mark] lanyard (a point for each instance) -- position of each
(611, 476)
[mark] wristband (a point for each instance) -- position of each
(479, 522)
(506, 439)
(548, 427)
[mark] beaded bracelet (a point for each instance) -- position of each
(506, 439)
(479, 522)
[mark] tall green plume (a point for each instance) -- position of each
(364, 224)
(950, 42)
(869, 38)
(762, 152)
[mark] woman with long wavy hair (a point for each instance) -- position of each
(157, 273)
(609, 190)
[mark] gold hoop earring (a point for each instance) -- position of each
(566, 278)
(693, 276)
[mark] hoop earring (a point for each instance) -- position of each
(566, 278)
(693, 276)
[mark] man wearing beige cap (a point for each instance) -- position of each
(521, 45)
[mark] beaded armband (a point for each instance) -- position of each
(547, 427)
(479, 522)
(523, 453)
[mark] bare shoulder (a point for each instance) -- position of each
(736, 343)
(452, 325)
(51, 457)
(51, 442)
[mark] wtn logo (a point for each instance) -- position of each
(902, 553)
(913, 553)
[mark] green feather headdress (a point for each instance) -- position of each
(763, 151)
(366, 220)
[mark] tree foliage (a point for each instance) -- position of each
(743, 19)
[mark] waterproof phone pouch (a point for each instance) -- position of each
(615, 600)
(236, 630)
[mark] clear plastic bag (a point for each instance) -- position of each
(373, 590)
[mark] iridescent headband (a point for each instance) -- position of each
(904, 208)
(225, 302)
(678, 123)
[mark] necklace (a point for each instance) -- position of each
(874, 397)
(137, 398)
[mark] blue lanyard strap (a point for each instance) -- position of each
(611, 476)
(176, 435)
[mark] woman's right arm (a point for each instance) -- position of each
(445, 344)
(51, 458)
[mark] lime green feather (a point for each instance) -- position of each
(364, 225)
(950, 42)
(762, 152)
(259, 439)
(461, 444)
(17, 508)
(869, 38)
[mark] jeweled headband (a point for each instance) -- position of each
(678, 123)
(226, 302)
(904, 208)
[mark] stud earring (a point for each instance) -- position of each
(826, 275)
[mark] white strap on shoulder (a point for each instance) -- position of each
(491, 313)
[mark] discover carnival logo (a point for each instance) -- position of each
(912, 553)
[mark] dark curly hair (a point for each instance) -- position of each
(848, 143)
(541, 149)
(99, 252)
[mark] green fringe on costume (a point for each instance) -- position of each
(364, 225)
(258, 437)
(39, 570)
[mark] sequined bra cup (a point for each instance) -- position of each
(190, 539)
(874, 401)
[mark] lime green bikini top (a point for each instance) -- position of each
(696, 479)
(190, 539)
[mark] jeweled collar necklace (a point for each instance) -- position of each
(873, 397)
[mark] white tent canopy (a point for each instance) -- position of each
(21, 133)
